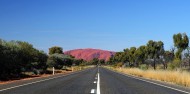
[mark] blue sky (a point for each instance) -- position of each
(102, 24)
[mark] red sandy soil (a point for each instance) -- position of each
(30, 77)
(89, 54)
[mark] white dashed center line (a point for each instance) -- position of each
(92, 91)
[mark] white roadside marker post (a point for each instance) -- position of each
(53, 71)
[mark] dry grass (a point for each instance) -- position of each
(177, 77)
(77, 68)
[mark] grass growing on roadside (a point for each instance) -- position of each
(177, 77)
(76, 68)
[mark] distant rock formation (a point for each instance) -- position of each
(89, 54)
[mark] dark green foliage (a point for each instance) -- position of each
(155, 50)
(153, 53)
(94, 61)
(78, 61)
(118, 57)
(135, 56)
(59, 60)
(18, 57)
(102, 61)
(181, 41)
(40, 61)
(187, 55)
(55, 49)
(132, 57)
(141, 54)
(168, 56)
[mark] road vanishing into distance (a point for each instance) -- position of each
(95, 80)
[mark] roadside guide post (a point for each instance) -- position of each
(53, 71)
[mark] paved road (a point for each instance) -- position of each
(86, 82)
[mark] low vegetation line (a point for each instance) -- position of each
(29, 76)
(176, 77)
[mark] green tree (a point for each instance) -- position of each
(28, 54)
(78, 61)
(155, 50)
(181, 41)
(40, 61)
(55, 49)
(187, 55)
(140, 53)
(168, 57)
(110, 61)
(18, 57)
(10, 66)
(118, 57)
(125, 55)
(94, 61)
(59, 60)
(102, 61)
(132, 57)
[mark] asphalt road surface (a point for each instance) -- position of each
(94, 80)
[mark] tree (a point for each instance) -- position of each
(94, 61)
(102, 61)
(181, 41)
(125, 55)
(8, 67)
(40, 61)
(59, 60)
(168, 57)
(18, 57)
(55, 49)
(32, 58)
(187, 55)
(155, 50)
(78, 61)
(140, 53)
(132, 57)
(110, 61)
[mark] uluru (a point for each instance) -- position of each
(89, 54)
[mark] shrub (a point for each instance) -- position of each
(119, 64)
(143, 67)
(175, 64)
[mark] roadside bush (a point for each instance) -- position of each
(143, 66)
(59, 60)
(175, 64)
(119, 64)
(17, 57)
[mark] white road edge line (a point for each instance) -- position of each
(39, 81)
(153, 82)
(98, 83)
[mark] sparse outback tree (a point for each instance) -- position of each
(140, 54)
(155, 50)
(55, 49)
(181, 42)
